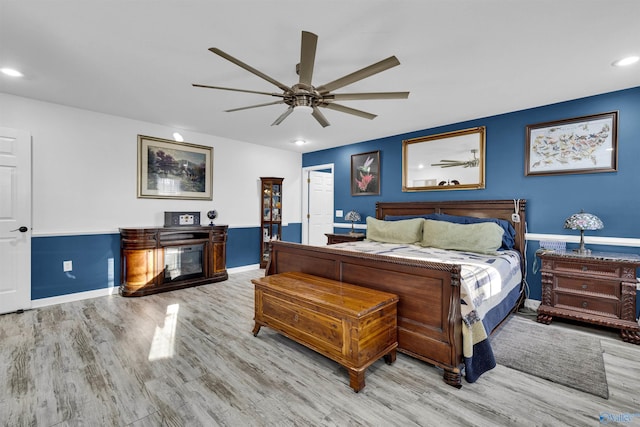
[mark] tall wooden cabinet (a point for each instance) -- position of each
(270, 215)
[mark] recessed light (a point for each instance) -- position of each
(626, 61)
(299, 142)
(11, 72)
(178, 137)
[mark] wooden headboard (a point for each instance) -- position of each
(502, 209)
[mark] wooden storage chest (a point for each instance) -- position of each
(352, 325)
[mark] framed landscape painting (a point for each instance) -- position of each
(174, 170)
(586, 144)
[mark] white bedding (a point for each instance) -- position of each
(485, 279)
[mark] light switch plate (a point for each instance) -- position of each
(67, 266)
(339, 213)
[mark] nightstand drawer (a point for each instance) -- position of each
(591, 269)
(605, 287)
(608, 307)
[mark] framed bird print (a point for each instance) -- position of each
(365, 174)
(586, 144)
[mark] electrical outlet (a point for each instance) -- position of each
(339, 214)
(67, 266)
(638, 284)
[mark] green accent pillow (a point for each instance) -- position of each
(484, 237)
(405, 231)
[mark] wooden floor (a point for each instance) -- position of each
(188, 358)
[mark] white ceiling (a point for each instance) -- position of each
(460, 59)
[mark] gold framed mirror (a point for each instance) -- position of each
(447, 161)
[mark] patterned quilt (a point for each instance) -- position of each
(486, 280)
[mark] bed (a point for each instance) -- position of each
(431, 323)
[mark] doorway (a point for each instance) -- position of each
(15, 220)
(317, 202)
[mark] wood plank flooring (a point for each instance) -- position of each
(188, 358)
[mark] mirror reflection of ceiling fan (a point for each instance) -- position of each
(304, 95)
(475, 162)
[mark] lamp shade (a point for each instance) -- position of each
(352, 216)
(583, 221)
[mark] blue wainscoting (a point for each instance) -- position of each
(96, 259)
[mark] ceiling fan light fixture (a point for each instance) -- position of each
(303, 109)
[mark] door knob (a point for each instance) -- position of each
(22, 229)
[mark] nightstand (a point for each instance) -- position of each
(597, 288)
(333, 238)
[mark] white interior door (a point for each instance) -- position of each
(15, 220)
(319, 212)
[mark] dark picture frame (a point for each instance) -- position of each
(586, 144)
(174, 170)
(365, 174)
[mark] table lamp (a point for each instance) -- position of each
(352, 216)
(583, 221)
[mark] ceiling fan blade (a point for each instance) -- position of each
(364, 96)
(253, 106)
(238, 90)
(250, 69)
(349, 110)
(369, 71)
(448, 165)
(317, 114)
(282, 116)
(307, 57)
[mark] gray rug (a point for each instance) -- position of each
(553, 353)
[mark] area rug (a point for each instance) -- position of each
(554, 353)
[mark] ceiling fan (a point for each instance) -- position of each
(303, 95)
(467, 164)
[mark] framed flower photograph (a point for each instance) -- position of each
(365, 174)
(586, 144)
(174, 170)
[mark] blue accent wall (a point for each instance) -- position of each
(96, 259)
(613, 196)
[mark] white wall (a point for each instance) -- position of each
(85, 171)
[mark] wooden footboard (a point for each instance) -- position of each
(429, 319)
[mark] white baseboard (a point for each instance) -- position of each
(243, 268)
(44, 302)
(78, 296)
